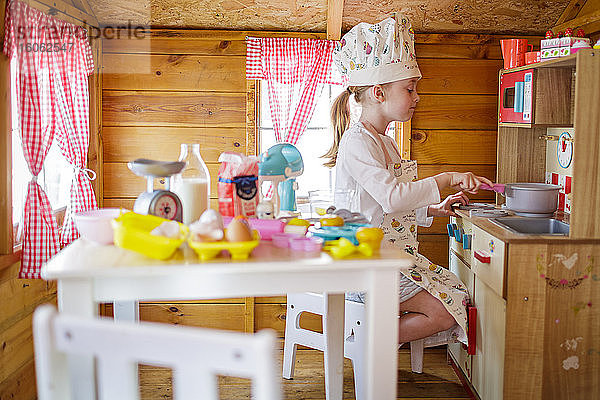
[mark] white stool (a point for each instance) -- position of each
(354, 345)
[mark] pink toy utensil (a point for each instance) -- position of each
(497, 187)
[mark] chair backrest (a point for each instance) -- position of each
(195, 355)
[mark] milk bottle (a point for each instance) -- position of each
(192, 185)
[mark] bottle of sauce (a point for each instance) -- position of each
(192, 185)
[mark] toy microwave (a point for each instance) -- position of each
(516, 97)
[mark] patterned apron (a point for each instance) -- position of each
(401, 230)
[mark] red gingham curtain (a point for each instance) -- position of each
(48, 53)
(72, 115)
(295, 70)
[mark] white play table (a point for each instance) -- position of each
(89, 274)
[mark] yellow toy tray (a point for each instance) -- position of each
(132, 231)
(238, 250)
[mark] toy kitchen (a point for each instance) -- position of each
(534, 279)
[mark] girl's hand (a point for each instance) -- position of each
(465, 181)
(444, 208)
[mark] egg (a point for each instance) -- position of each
(168, 229)
(208, 228)
(238, 230)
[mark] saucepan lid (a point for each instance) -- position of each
(532, 186)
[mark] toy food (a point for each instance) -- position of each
(168, 229)
(370, 236)
(208, 228)
(332, 220)
(264, 210)
(297, 225)
(238, 230)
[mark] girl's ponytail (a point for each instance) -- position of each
(340, 118)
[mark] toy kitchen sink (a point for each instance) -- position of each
(532, 226)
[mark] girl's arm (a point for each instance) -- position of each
(466, 181)
(360, 157)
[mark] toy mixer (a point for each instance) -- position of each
(281, 164)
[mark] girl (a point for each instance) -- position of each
(380, 65)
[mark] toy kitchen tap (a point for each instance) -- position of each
(162, 203)
(281, 164)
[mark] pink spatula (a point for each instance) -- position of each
(497, 187)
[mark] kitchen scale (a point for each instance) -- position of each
(162, 203)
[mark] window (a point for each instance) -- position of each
(314, 142)
(55, 176)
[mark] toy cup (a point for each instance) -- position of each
(532, 57)
(513, 52)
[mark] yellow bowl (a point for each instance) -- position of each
(334, 220)
(372, 237)
(238, 250)
(132, 231)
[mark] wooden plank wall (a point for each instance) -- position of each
(189, 86)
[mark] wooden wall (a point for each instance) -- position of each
(19, 298)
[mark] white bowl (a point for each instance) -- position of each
(95, 225)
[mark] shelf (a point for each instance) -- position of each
(562, 62)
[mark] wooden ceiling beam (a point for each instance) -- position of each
(571, 11)
(579, 22)
(67, 11)
(84, 6)
(335, 9)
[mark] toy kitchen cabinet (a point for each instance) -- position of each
(538, 295)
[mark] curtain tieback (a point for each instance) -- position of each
(91, 175)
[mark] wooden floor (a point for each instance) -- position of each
(438, 380)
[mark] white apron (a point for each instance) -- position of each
(401, 230)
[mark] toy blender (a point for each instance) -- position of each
(281, 164)
(162, 203)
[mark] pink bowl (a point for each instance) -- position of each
(283, 239)
(266, 227)
(95, 225)
(307, 244)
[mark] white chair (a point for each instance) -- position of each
(354, 344)
(195, 355)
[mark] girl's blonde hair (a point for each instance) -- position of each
(340, 118)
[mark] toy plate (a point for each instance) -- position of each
(347, 231)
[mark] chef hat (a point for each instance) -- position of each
(378, 53)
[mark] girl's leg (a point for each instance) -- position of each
(424, 316)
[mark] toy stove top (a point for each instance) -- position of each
(485, 210)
